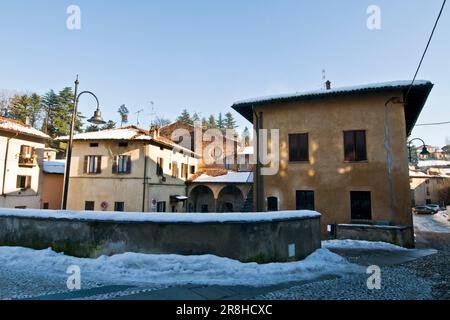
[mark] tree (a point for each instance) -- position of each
(92, 128)
(160, 121)
(49, 103)
(185, 117)
(123, 111)
(229, 122)
(211, 123)
(195, 117)
(220, 122)
(246, 137)
(109, 125)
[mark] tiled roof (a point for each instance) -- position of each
(12, 125)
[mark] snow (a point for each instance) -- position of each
(17, 126)
(433, 163)
(126, 133)
(418, 174)
(433, 223)
(384, 85)
(160, 217)
(230, 177)
(360, 244)
(54, 166)
(135, 268)
(246, 151)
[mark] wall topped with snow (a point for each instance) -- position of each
(248, 237)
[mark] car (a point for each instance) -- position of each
(424, 210)
(436, 207)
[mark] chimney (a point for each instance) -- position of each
(154, 130)
(328, 84)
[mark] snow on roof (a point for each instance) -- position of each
(54, 166)
(433, 163)
(348, 89)
(230, 177)
(20, 127)
(246, 151)
(160, 217)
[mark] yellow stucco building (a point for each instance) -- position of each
(342, 151)
(129, 169)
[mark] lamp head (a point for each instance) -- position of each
(97, 118)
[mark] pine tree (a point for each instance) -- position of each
(246, 137)
(229, 122)
(185, 117)
(109, 125)
(220, 122)
(195, 117)
(49, 104)
(211, 123)
(19, 107)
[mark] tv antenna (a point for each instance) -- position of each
(137, 116)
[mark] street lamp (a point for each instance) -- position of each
(96, 119)
(424, 151)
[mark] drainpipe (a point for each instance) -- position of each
(259, 185)
(6, 163)
(145, 178)
(389, 156)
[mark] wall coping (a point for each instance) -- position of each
(371, 226)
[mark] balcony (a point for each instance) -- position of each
(27, 160)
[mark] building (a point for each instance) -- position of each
(129, 169)
(342, 152)
(21, 154)
(52, 183)
(429, 187)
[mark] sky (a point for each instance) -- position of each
(204, 55)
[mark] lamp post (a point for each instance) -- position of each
(96, 119)
(424, 151)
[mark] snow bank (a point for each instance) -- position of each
(160, 217)
(360, 244)
(129, 268)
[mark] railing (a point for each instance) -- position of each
(27, 161)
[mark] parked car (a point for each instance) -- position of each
(436, 207)
(424, 210)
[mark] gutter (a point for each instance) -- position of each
(6, 163)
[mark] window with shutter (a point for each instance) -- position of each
(361, 205)
(298, 147)
(93, 164)
(355, 145)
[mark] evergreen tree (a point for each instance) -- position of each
(211, 123)
(246, 137)
(220, 122)
(229, 121)
(19, 106)
(185, 117)
(92, 128)
(109, 125)
(195, 117)
(49, 103)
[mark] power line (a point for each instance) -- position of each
(432, 124)
(426, 49)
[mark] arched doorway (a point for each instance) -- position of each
(230, 199)
(201, 199)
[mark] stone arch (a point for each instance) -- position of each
(230, 199)
(201, 199)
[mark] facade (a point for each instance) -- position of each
(428, 187)
(21, 154)
(342, 152)
(129, 169)
(52, 183)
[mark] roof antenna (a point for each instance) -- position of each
(325, 82)
(137, 118)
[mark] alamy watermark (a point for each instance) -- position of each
(73, 21)
(374, 20)
(74, 279)
(374, 280)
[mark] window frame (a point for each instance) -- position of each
(87, 164)
(306, 198)
(355, 154)
(300, 159)
(361, 215)
(269, 207)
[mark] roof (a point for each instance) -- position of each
(54, 166)
(414, 104)
(229, 177)
(433, 163)
(17, 126)
(124, 134)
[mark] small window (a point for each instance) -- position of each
(272, 204)
(298, 147)
(305, 200)
(161, 206)
(20, 207)
(89, 205)
(175, 169)
(160, 166)
(23, 182)
(355, 145)
(184, 171)
(27, 156)
(361, 205)
(45, 206)
(92, 164)
(123, 144)
(192, 170)
(93, 145)
(122, 164)
(119, 206)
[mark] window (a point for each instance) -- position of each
(272, 204)
(45, 206)
(27, 156)
(123, 144)
(304, 200)
(92, 164)
(184, 170)
(119, 206)
(122, 164)
(361, 206)
(298, 147)
(192, 170)
(175, 169)
(23, 182)
(20, 207)
(355, 145)
(161, 206)
(93, 145)
(89, 205)
(160, 166)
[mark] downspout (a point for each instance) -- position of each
(6, 163)
(145, 178)
(258, 165)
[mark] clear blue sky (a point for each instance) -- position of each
(204, 55)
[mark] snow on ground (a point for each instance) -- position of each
(159, 217)
(138, 269)
(360, 244)
(432, 223)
